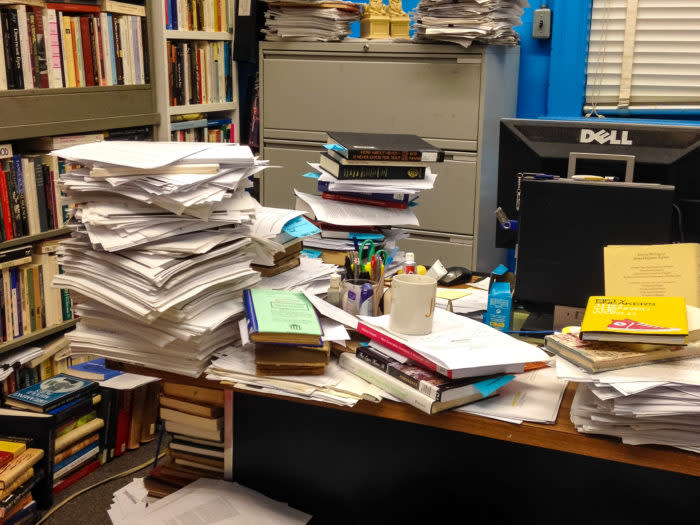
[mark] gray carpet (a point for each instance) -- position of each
(91, 507)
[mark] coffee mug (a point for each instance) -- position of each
(412, 304)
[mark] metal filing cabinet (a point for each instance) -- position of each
(451, 96)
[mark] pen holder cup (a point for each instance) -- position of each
(360, 296)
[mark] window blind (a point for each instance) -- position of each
(644, 54)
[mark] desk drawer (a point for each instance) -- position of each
(455, 250)
(278, 184)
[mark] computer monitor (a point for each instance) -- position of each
(564, 226)
(664, 154)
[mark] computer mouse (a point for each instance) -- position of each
(455, 275)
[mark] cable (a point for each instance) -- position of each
(116, 476)
(680, 222)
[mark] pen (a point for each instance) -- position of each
(373, 269)
(354, 241)
(587, 177)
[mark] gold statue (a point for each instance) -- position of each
(374, 22)
(398, 19)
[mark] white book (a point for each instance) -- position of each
(202, 451)
(106, 49)
(30, 198)
(179, 428)
(139, 49)
(204, 423)
(128, 58)
(76, 463)
(53, 48)
(24, 46)
(3, 73)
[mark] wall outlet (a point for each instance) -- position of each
(542, 23)
(567, 316)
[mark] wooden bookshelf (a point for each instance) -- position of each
(35, 336)
(30, 239)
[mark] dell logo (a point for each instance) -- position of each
(604, 137)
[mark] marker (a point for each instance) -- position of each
(587, 177)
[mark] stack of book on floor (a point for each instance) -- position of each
(194, 417)
(287, 333)
(460, 362)
(73, 403)
(19, 475)
(158, 257)
(367, 183)
(310, 20)
(637, 362)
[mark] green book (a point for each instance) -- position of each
(283, 317)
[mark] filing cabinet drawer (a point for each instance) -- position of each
(452, 251)
(278, 184)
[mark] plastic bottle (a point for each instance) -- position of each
(410, 264)
(333, 295)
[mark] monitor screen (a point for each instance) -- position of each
(564, 226)
(664, 154)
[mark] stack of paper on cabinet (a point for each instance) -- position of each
(160, 255)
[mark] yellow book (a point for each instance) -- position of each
(656, 320)
(13, 447)
(668, 270)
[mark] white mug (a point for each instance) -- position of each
(412, 304)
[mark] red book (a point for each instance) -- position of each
(5, 458)
(5, 204)
(123, 422)
(78, 474)
(87, 53)
(401, 348)
(74, 8)
(363, 200)
(338, 228)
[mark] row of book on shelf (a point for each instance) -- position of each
(55, 45)
(199, 72)
(29, 302)
(198, 15)
(203, 130)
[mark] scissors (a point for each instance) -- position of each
(371, 253)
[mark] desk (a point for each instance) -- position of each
(345, 465)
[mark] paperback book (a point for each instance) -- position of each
(51, 393)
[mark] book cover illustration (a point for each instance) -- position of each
(635, 315)
(50, 391)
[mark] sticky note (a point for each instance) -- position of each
(313, 254)
(311, 175)
(451, 294)
(334, 147)
(489, 386)
(300, 227)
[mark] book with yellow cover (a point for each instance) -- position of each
(656, 320)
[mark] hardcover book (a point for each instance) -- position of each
(384, 147)
(280, 316)
(94, 370)
(658, 320)
(51, 393)
(599, 356)
(369, 171)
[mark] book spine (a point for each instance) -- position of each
(106, 47)
(100, 49)
(53, 49)
(10, 501)
(42, 74)
(38, 297)
(28, 278)
(73, 8)
(33, 46)
(364, 200)
(16, 51)
(118, 49)
(24, 45)
(68, 398)
(50, 196)
(16, 197)
(401, 348)
(69, 55)
(16, 302)
(391, 155)
(3, 53)
(228, 434)
(94, 51)
(85, 451)
(145, 60)
(386, 382)
(74, 449)
(104, 413)
(123, 422)
(380, 172)
(85, 41)
(41, 205)
(8, 232)
(79, 459)
(78, 475)
(76, 408)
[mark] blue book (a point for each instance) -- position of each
(51, 393)
(21, 195)
(218, 122)
(95, 370)
(77, 455)
(112, 55)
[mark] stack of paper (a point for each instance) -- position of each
(467, 21)
(650, 404)
(312, 275)
(309, 20)
(160, 253)
(129, 501)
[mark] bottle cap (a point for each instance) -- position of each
(410, 256)
(335, 280)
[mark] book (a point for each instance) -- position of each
(342, 197)
(194, 394)
(400, 389)
(281, 316)
(200, 450)
(199, 441)
(199, 465)
(75, 408)
(94, 370)
(79, 474)
(369, 171)
(433, 385)
(138, 401)
(600, 356)
(78, 433)
(24, 513)
(123, 8)
(51, 393)
(20, 492)
(123, 422)
(398, 197)
(670, 270)
(659, 320)
(180, 428)
(15, 468)
(299, 355)
(149, 419)
(13, 446)
(205, 423)
(75, 448)
(196, 409)
(384, 147)
(24, 478)
(76, 461)
(15, 256)
(196, 459)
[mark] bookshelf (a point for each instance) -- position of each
(35, 336)
(164, 39)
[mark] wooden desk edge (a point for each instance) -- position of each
(561, 436)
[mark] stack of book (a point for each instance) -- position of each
(194, 416)
(367, 182)
(461, 362)
(73, 403)
(161, 258)
(200, 72)
(18, 477)
(310, 20)
(287, 333)
(201, 129)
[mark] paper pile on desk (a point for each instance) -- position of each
(651, 404)
(159, 255)
(309, 20)
(467, 21)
